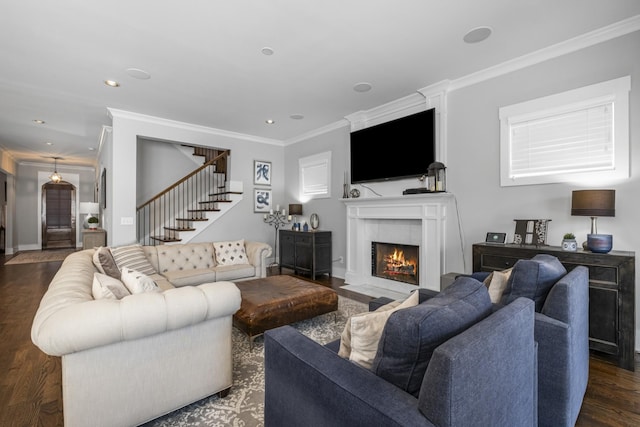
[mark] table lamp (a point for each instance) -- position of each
(595, 203)
(295, 209)
(89, 208)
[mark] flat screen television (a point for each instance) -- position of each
(397, 149)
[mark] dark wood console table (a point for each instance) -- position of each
(306, 251)
(612, 323)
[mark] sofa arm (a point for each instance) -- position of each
(62, 326)
(425, 294)
(257, 253)
(308, 384)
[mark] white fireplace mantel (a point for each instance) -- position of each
(418, 219)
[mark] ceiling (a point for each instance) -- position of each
(206, 63)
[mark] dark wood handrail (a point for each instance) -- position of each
(186, 177)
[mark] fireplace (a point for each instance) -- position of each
(394, 261)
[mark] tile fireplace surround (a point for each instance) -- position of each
(418, 219)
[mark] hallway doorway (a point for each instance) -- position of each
(58, 215)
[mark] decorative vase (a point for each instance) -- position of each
(569, 245)
(600, 243)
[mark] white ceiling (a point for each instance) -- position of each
(206, 66)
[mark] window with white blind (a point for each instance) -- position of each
(315, 176)
(568, 136)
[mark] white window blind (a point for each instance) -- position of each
(576, 141)
(571, 136)
(315, 176)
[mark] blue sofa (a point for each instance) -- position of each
(484, 375)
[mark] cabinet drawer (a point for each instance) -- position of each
(497, 262)
(303, 238)
(603, 274)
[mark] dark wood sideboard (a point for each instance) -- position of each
(612, 323)
(306, 252)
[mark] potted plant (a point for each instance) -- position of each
(93, 222)
(569, 242)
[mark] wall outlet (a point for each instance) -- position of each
(341, 260)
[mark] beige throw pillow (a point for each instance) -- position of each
(104, 262)
(498, 284)
(137, 282)
(366, 330)
(132, 257)
(107, 287)
(230, 253)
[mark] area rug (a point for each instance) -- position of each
(244, 406)
(31, 257)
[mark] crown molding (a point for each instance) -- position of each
(60, 166)
(583, 41)
(319, 131)
(115, 113)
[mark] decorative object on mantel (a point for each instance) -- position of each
(531, 232)
(277, 218)
(345, 187)
(315, 221)
(569, 242)
(355, 193)
(295, 209)
(436, 177)
(595, 203)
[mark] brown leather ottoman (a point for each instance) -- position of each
(280, 300)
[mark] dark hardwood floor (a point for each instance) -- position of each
(31, 390)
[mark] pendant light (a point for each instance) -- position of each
(55, 176)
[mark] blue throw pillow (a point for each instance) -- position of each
(533, 278)
(411, 335)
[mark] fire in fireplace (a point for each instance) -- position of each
(395, 262)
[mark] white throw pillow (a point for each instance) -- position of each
(107, 287)
(132, 257)
(137, 282)
(230, 253)
(498, 284)
(363, 331)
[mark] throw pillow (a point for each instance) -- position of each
(230, 253)
(533, 279)
(107, 287)
(104, 262)
(367, 328)
(132, 257)
(137, 282)
(498, 284)
(411, 336)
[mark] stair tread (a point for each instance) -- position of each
(192, 219)
(204, 210)
(165, 239)
(180, 228)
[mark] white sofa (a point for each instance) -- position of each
(127, 361)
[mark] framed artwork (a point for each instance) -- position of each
(261, 172)
(262, 200)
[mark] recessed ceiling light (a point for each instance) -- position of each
(91, 149)
(137, 73)
(269, 121)
(49, 143)
(38, 121)
(112, 83)
(267, 51)
(297, 116)
(476, 35)
(362, 87)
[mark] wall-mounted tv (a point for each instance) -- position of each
(397, 149)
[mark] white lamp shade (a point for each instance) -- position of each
(89, 208)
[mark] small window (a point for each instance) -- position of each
(315, 176)
(567, 137)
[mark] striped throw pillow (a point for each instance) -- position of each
(132, 257)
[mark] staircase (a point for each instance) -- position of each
(187, 207)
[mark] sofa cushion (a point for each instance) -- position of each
(190, 256)
(235, 272)
(132, 257)
(410, 336)
(359, 340)
(533, 279)
(230, 253)
(496, 283)
(137, 282)
(106, 287)
(104, 262)
(191, 277)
